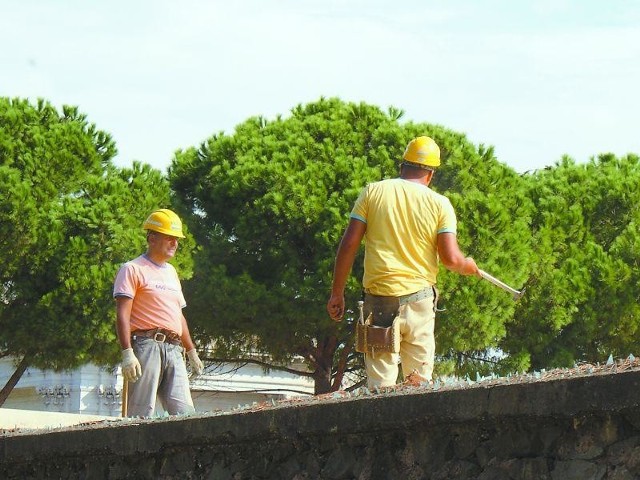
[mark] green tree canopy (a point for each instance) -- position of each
(69, 218)
(582, 300)
(269, 204)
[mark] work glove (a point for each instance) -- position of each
(131, 369)
(196, 364)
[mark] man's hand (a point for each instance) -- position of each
(470, 267)
(335, 307)
(131, 369)
(196, 364)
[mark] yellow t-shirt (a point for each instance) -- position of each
(403, 221)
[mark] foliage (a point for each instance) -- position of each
(270, 203)
(582, 300)
(69, 218)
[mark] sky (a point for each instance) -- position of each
(535, 79)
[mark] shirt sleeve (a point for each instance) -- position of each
(360, 208)
(447, 222)
(183, 301)
(125, 284)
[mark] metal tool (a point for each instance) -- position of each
(125, 397)
(515, 293)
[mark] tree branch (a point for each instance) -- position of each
(341, 367)
(265, 390)
(13, 381)
(254, 361)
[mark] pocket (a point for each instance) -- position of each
(383, 310)
(372, 338)
(178, 353)
(138, 344)
(379, 337)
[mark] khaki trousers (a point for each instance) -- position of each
(417, 347)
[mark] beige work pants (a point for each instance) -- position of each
(417, 347)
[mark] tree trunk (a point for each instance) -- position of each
(13, 381)
(341, 367)
(323, 362)
(322, 380)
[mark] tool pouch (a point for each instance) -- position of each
(377, 329)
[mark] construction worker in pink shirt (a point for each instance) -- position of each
(152, 329)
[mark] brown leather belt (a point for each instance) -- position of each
(159, 335)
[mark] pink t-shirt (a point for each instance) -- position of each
(156, 292)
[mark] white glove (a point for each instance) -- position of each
(131, 369)
(194, 360)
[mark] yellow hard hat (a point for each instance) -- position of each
(164, 221)
(423, 151)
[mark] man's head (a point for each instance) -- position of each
(422, 152)
(164, 228)
(164, 221)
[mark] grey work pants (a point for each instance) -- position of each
(164, 376)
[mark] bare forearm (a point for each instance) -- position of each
(344, 262)
(452, 257)
(463, 266)
(123, 321)
(124, 336)
(347, 251)
(187, 343)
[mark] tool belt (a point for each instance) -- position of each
(159, 335)
(377, 329)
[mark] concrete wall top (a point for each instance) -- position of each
(339, 414)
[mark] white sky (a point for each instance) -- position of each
(535, 79)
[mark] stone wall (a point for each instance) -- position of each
(586, 427)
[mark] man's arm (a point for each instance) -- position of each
(190, 348)
(131, 368)
(452, 257)
(123, 321)
(187, 343)
(347, 251)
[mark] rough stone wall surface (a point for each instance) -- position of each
(581, 428)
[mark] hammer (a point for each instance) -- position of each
(515, 293)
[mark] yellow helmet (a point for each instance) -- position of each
(164, 221)
(423, 151)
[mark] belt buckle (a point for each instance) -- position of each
(160, 337)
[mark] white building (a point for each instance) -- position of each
(94, 390)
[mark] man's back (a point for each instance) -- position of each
(407, 228)
(403, 221)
